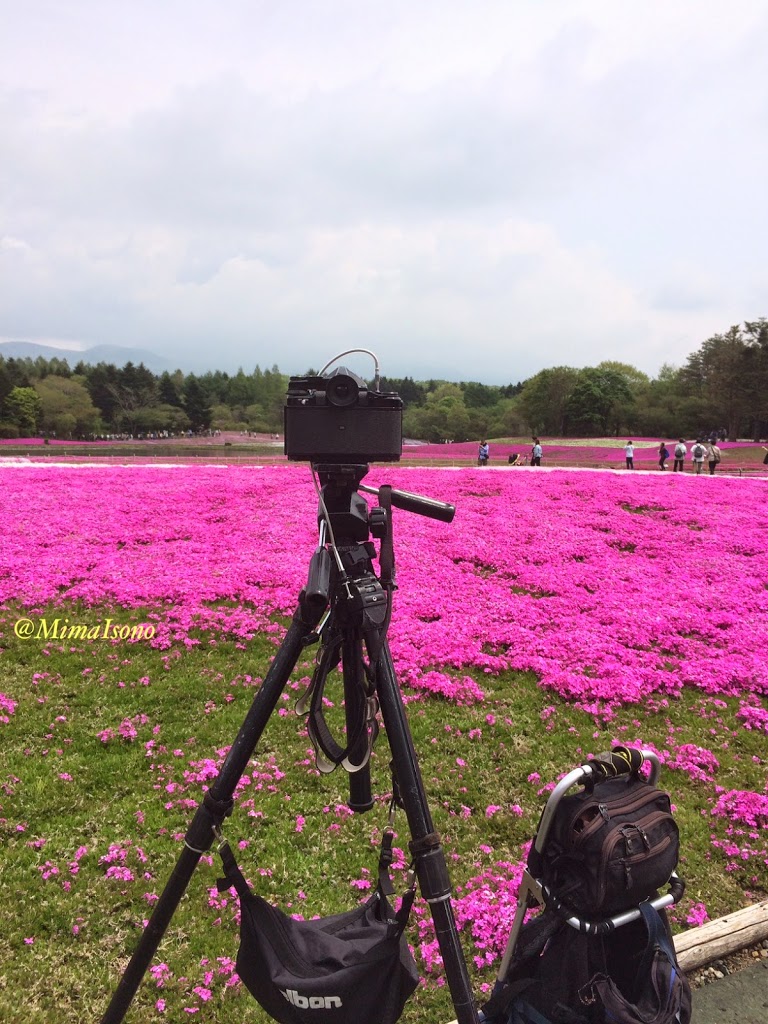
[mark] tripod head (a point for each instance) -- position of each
(352, 606)
(341, 507)
(344, 517)
(338, 480)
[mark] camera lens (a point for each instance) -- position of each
(341, 390)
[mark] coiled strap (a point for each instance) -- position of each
(619, 761)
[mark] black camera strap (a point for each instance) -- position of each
(361, 700)
(362, 708)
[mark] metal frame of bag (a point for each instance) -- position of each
(533, 892)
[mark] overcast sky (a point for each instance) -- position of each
(474, 189)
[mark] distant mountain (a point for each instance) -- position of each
(98, 354)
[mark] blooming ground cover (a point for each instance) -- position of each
(607, 453)
(606, 592)
(220, 438)
(603, 453)
(558, 613)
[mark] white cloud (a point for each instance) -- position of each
(486, 188)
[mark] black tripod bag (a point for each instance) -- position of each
(354, 966)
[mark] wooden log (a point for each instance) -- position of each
(729, 934)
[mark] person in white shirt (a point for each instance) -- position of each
(697, 454)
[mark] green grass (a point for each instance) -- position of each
(67, 694)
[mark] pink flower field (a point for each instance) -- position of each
(608, 587)
(613, 590)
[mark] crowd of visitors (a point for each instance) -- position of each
(703, 451)
(516, 459)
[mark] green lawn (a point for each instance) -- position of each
(67, 797)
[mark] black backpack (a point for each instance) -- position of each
(563, 976)
(608, 848)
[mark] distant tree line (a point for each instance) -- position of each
(723, 386)
(46, 396)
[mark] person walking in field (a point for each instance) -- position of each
(629, 454)
(697, 454)
(680, 452)
(663, 456)
(713, 456)
(536, 452)
(483, 454)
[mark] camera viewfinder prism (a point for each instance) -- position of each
(338, 419)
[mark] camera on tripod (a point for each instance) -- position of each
(335, 421)
(337, 418)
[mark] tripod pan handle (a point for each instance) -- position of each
(419, 504)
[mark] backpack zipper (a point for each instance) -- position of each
(627, 862)
(607, 810)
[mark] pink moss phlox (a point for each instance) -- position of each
(122, 860)
(746, 836)
(697, 915)
(699, 763)
(572, 576)
(575, 452)
(743, 807)
(752, 717)
(7, 708)
(459, 691)
(485, 907)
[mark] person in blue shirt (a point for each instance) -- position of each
(536, 452)
(483, 454)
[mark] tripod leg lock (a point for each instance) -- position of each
(307, 615)
(219, 809)
(209, 816)
(434, 881)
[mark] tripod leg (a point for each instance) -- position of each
(431, 868)
(212, 811)
(360, 796)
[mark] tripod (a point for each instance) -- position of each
(347, 607)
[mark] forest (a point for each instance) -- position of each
(723, 386)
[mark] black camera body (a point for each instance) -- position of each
(338, 419)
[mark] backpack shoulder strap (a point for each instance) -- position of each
(658, 936)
